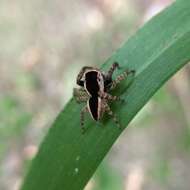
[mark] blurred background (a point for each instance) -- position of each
(43, 46)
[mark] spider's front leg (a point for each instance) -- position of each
(108, 76)
(80, 95)
(121, 77)
(114, 66)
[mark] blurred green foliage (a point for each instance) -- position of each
(14, 120)
(107, 178)
(160, 170)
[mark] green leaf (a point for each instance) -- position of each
(66, 158)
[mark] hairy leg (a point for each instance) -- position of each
(114, 66)
(80, 95)
(121, 77)
(110, 113)
(110, 97)
(83, 111)
(108, 76)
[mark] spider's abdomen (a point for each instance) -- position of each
(94, 107)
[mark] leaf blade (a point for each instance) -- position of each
(67, 159)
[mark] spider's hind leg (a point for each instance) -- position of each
(114, 117)
(83, 111)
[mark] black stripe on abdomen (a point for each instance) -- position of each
(93, 106)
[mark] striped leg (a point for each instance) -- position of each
(121, 77)
(111, 98)
(83, 111)
(112, 69)
(109, 111)
(80, 95)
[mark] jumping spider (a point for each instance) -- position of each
(95, 86)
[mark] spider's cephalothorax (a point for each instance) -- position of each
(92, 80)
(95, 87)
